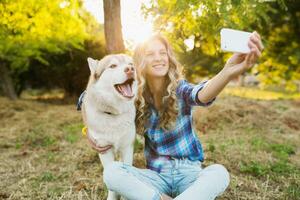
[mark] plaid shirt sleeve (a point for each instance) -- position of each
(189, 93)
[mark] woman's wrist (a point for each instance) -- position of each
(214, 86)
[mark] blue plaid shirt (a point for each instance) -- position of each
(182, 141)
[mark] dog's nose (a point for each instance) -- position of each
(129, 71)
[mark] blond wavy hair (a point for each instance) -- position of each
(169, 111)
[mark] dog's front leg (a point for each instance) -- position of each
(127, 154)
(106, 159)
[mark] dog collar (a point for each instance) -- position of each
(100, 150)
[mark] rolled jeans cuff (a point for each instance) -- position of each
(156, 196)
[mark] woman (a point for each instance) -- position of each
(172, 150)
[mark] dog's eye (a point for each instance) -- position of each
(96, 76)
(113, 66)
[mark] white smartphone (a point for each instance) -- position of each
(234, 40)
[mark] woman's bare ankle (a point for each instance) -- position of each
(165, 197)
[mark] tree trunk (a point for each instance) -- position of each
(7, 82)
(113, 27)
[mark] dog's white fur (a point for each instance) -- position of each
(108, 115)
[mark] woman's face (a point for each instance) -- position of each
(157, 59)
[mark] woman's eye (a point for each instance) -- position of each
(113, 66)
(149, 54)
(163, 53)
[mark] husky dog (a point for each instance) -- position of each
(108, 108)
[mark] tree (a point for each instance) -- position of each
(67, 70)
(7, 82)
(29, 29)
(280, 65)
(203, 20)
(113, 27)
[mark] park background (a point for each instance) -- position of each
(253, 128)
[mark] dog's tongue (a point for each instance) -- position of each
(126, 89)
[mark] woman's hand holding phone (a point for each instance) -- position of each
(240, 62)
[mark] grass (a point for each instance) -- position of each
(259, 94)
(44, 155)
(71, 132)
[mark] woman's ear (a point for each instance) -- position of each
(92, 64)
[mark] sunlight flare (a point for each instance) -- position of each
(135, 27)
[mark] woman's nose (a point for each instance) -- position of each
(157, 57)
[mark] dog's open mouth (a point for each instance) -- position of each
(125, 89)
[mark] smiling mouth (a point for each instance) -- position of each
(158, 65)
(125, 89)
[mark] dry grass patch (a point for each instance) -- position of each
(44, 155)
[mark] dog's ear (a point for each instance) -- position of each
(92, 64)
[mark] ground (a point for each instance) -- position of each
(44, 156)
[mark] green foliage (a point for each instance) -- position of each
(202, 21)
(255, 168)
(47, 176)
(261, 169)
(31, 27)
(211, 147)
(36, 137)
(280, 152)
(72, 138)
(46, 43)
(258, 143)
(281, 62)
(39, 140)
(293, 191)
(50, 156)
(71, 132)
(282, 167)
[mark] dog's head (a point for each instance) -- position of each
(113, 75)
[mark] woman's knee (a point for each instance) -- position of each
(222, 172)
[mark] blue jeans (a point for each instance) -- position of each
(181, 179)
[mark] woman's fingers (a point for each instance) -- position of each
(235, 58)
(255, 38)
(250, 59)
(259, 38)
(256, 47)
(247, 59)
(256, 33)
(253, 47)
(253, 59)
